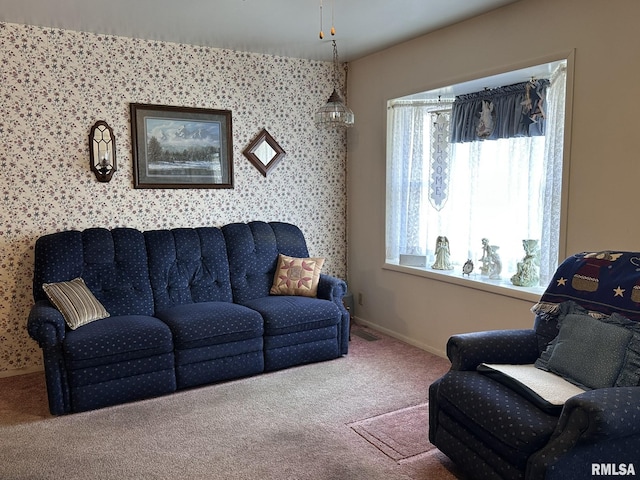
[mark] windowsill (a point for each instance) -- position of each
(475, 280)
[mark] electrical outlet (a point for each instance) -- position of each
(360, 300)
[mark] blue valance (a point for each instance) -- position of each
(513, 111)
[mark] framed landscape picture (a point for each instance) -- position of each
(181, 147)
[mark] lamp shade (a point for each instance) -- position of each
(334, 113)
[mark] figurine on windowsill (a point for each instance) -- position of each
(496, 263)
(485, 268)
(442, 254)
(528, 274)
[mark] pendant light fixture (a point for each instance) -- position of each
(335, 112)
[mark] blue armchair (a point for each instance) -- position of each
(494, 427)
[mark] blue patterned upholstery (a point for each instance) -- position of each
(253, 253)
(296, 329)
(127, 371)
(492, 432)
(188, 265)
(189, 274)
(173, 322)
(124, 357)
(206, 332)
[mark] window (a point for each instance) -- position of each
(486, 196)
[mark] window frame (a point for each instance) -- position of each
(502, 286)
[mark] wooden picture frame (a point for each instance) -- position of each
(181, 147)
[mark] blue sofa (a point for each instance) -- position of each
(187, 307)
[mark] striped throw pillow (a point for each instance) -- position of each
(75, 301)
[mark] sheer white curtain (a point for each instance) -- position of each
(552, 186)
(505, 190)
(405, 181)
(495, 194)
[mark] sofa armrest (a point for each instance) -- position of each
(598, 424)
(468, 350)
(46, 324)
(331, 288)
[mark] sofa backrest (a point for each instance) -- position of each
(188, 265)
(253, 250)
(113, 264)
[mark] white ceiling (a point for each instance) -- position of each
(277, 27)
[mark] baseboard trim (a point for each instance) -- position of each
(404, 338)
(21, 371)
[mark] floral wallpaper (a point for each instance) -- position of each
(55, 84)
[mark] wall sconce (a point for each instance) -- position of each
(102, 151)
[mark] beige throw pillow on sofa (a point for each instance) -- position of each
(297, 276)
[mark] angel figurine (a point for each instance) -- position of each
(496, 263)
(528, 274)
(485, 268)
(442, 254)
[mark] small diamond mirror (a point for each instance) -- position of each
(264, 152)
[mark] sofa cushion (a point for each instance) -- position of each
(289, 314)
(253, 250)
(112, 263)
(116, 339)
(76, 303)
(297, 276)
(210, 323)
(188, 265)
(290, 239)
(594, 352)
(115, 270)
(57, 258)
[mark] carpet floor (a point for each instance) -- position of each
(400, 434)
(362, 416)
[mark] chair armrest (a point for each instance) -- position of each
(604, 413)
(468, 350)
(331, 288)
(599, 425)
(46, 324)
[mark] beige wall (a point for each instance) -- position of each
(604, 165)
